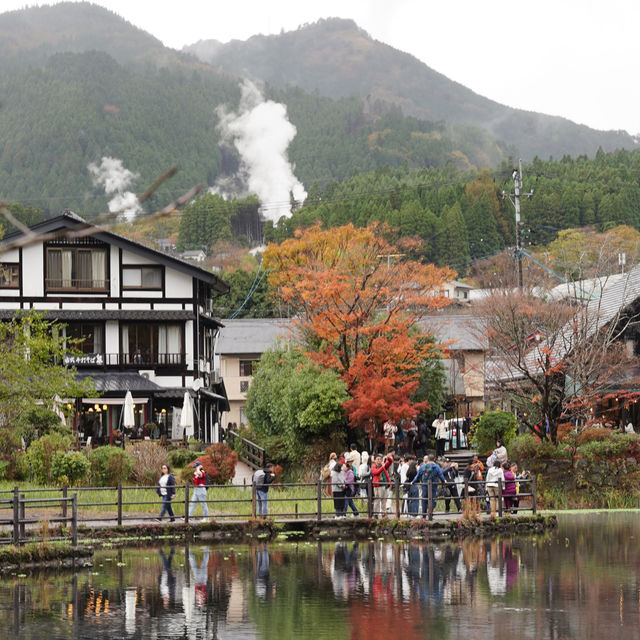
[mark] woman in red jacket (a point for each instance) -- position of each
(381, 483)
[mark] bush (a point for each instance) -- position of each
(497, 425)
(617, 445)
(593, 434)
(42, 451)
(70, 468)
(219, 462)
(110, 466)
(528, 447)
(180, 458)
(148, 458)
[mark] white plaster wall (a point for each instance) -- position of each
(177, 284)
(169, 381)
(114, 272)
(13, 255)
(133, 258)
(188, 343)
(33, 270)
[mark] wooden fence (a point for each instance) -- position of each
(26, 515)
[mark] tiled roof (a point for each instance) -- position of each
(252, 335)
(466, 333)
(119, 381)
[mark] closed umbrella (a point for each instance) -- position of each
(57, 407)
(128, 418)
(186, 415)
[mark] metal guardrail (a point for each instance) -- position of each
(285, 501)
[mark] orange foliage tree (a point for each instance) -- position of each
(357, 300)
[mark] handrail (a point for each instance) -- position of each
(288, 501)
(249, 452)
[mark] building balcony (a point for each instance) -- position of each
(62, 285)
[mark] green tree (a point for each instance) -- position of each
(294, 404)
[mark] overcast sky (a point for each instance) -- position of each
(574, 58)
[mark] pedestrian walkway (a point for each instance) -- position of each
(244, 473)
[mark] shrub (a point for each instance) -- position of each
(110, 466)
(42, 451)
(219, 462)
(70, 468)
(592, 434)
(180, 458)
(528, 447)
(617, 445)
(497, 425)
(148, 458)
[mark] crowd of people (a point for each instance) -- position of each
(353, 473)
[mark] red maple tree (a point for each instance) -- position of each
(357, 300)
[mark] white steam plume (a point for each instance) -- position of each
(115, 179)
(261, 133)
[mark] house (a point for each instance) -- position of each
(144, 318)
(458, 292)
(196, 255)
(240, 346)
(467, 347)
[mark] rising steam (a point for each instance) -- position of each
(115, 179)
(261, 133)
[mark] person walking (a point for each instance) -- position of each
(199, 491)
(262, 478)
(166, 489)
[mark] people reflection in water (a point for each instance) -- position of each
(200, 576)
(345, 570)
(167, 579)
(265, 589)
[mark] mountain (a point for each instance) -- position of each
(80, 83)
(337, 59)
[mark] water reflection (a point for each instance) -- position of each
(579, 582)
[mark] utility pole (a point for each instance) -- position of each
(515, 201)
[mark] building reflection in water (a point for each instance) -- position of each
(510, 588)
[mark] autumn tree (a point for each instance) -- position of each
(357, 299)
(554, 360)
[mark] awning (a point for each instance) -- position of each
(87, 315)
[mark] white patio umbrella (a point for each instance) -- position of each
(128, 417)
(186, 415)
(57, 407)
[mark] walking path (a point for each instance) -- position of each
(244, 473)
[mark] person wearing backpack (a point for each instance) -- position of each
(262, 478)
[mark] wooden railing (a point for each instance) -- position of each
(249, 452)
(25, 515)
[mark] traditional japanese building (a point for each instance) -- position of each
(144, 318)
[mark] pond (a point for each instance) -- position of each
(581, 581)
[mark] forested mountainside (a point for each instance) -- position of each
(457, 217)
(58, 118)
(336, 58)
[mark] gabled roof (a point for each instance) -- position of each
(466, 333)
(252, 335)
(69, 220)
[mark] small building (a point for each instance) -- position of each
(467, 348)
(239, 348)
(195, 255)
(459, 292)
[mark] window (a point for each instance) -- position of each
(246, 367)
(141, 277)
(244, 386)
(76, 268)
(9, 275)
(91, 346)
(151, 344)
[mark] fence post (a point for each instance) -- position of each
(186, 502)
(466, 488)
(119, 504)
(74, 519)
(319, 499)
(430, 499)
(253, 500)
(499, 498)
(370, 497)
(396, 488)
(533, 495)
(64, 500)
(16, 516)
(22, 516)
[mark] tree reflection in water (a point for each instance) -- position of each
(579, 582)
